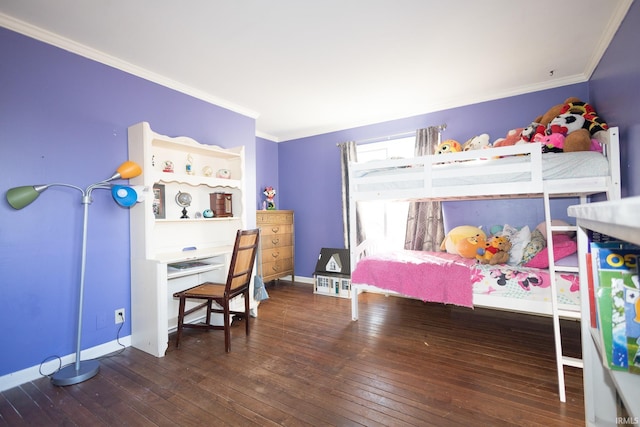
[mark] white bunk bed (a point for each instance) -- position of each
(521, 171)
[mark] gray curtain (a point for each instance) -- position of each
(425, 227)
(348, 154)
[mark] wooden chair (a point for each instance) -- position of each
(238, 280)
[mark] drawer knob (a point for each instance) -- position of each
(275, 254)
(275, 241)
(275, 229)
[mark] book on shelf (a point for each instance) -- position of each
(632, 322)
(593, 313)
(615, 283)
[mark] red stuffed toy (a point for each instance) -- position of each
(514, 136)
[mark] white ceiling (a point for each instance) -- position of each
(305, 67)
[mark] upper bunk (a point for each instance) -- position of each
(514, 171)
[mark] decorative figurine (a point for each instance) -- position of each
(189, 165)
(207, 171)
(183, 200)
(223, 173)
(270, 193)
(168, 166)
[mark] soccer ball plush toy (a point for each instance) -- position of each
(573, 127)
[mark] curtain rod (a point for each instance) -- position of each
(441, 128)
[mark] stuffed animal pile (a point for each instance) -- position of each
(570, 126)
(517, 246)
(471, 242)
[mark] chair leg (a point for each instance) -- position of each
(209, 307)
(246, 312)
(227, 327)
(180, 320)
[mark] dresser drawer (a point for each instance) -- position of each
(275, 229)
(277, 267)
(276, 241)
(274, 254)
(274, 217)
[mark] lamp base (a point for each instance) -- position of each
(69, 375)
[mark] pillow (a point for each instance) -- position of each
(563, 246)
(519, 240)
(537, 243)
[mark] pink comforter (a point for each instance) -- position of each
(429, 276)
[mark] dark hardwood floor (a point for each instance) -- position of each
(403, 363)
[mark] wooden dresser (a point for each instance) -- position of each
(277, 243)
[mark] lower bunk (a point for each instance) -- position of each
(450, 279)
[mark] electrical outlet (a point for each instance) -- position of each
(119, 315)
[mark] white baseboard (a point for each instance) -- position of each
(300, 279)
(17, 378)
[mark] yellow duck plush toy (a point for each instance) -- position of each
(458, 234)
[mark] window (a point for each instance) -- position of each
(385, 220)
(401, 147)
(323, 282)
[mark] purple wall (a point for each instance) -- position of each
(64, 118)
(267, 170)
(615, 89)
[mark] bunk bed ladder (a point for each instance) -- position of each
(557, 312)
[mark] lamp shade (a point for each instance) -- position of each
(124, 196)
(19, 197)
(129, 169)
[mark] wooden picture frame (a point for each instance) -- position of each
(159, 201)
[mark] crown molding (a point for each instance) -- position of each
(69, 45)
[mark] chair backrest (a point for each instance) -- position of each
(242, 260)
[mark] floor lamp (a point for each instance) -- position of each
(19, 197)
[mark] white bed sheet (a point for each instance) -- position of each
(555, 166)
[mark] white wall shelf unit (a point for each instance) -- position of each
(159, 236)
(602, 386)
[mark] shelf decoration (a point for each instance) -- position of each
(158, 201)
(221, 204)
(270, 194)
(189, 165)
(184, 201)
(223, 173)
